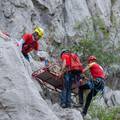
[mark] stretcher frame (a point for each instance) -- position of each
(51, 80)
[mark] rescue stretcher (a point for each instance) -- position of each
(50, 78)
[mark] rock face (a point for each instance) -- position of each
(68, 114)
(111, 97)
(16, 16)
(19, 97)
(58, 17)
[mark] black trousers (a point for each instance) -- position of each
(26, 56)
(95, 87)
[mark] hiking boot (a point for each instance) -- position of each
(78, 105)
(68, 105)
(63, 105)
(83, 114)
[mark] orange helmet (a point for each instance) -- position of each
(91, 58)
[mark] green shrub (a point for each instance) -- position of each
(105, 52)
(113, 2)
(94, 47)
(104, 113)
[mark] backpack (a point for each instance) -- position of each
(75, 62)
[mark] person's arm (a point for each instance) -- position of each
(20, 44)
(88, 67)
(36, 52)
(41, 53)
(37, 49)
(37, 55)
(83, 77)
(63, 66)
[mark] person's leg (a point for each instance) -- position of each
(81, 88)
(69, 86)
(99, 84)
(63, 98)
(91, 94)
(26, 57)
(77, 78)
(64, 93)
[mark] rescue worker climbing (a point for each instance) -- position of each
(29, 42)
(95, 84)
(71, 69)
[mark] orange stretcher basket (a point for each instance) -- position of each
(45, 75)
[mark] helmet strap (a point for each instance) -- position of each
(34, 36)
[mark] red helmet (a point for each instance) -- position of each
(91, 58)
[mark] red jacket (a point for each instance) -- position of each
(97, 71)
(76, 63)
(29, 44)
(72, 61)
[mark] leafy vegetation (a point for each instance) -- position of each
(97, 45)
(104, 113)
(113, 2)
(94, 47)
